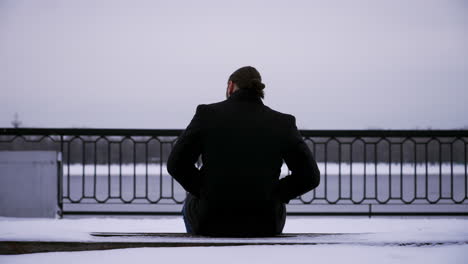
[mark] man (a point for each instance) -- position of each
(242, 143)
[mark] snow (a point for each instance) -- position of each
(255, 254)
(140, 169)
(360, 240)
(375, 230)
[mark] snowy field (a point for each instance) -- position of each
(349, 240)
(254, 254)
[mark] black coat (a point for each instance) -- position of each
(242, 144)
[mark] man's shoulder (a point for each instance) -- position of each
(209, 106)
(214, 105)
(281, 115)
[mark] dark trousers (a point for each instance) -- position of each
(191, 216)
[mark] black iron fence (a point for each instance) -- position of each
(122, 171)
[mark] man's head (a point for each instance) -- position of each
(246, 78)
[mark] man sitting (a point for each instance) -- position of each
(242, 143)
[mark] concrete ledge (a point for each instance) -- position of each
(27, 247)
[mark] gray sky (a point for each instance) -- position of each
(148, 64)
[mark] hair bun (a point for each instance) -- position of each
(248, 78)
(257, 84)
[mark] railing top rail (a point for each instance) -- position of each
(90, 131)
(176, 132)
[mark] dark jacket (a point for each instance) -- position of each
(242, 144)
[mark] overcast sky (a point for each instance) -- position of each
(148, 64)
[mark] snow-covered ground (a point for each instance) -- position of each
(255, 254)
(362, 240)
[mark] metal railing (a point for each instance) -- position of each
(122, 171)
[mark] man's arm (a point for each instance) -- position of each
(184, 155)
(305, 174)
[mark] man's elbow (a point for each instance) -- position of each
(314, 180)
(172, 166)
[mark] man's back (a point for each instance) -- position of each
(241, 149)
